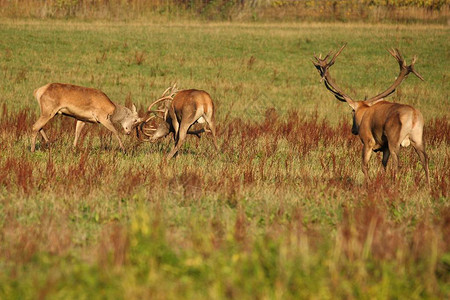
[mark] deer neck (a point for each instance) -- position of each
(119, 114)
(360, 111)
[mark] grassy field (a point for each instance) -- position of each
(281, 212)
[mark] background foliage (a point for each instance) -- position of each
(249, 10)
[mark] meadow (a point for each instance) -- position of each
(280, 212)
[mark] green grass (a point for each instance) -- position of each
(280, 212)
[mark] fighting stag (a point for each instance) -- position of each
(381, 125)
(85, 105)
(179, 111)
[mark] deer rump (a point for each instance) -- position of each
(181, 110)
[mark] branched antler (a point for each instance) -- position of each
(323, 66)
(145, 127)
(168, 95)
(404, 71)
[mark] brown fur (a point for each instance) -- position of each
(82, 103)
(187, 108)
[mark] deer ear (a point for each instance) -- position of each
(375, 102)
(133, 109)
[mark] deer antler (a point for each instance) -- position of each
(404, 71)
(323, 66)
(167, 95)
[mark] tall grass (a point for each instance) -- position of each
(281, 211)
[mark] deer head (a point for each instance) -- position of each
(127, 118)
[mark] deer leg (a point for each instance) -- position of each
(416, 139)
(386, 155)
(394, 153)
(394, 138)
(212, 126)
(366, 153)
(44, 135)
(176, 127)
(420, 150)
(78, 128)
(196, 132)
(37, 127)
(107, 123)
(182, 132)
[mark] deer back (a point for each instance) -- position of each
(386, 118)
(188, 102)
(80, 102)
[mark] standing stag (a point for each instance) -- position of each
(85, 105)
(381, 125)
(181, 110)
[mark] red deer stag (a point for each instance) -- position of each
(85, 105)
(181, 110)
(381, 125)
